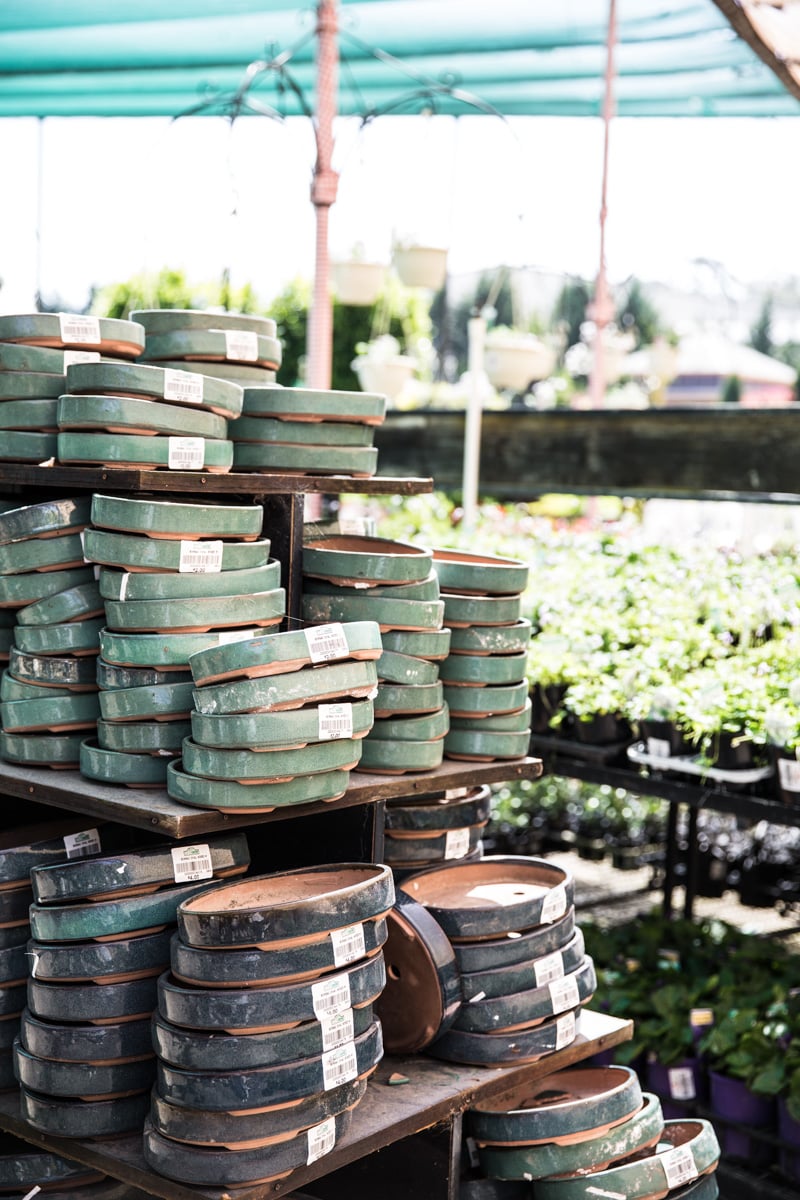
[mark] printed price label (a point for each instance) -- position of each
(326, 642)
(679, 1166)
(348, 945)
(456, 843)
(472, 1151)
(564, 993)
(335, 721)
(681, 1083)
(226, 636)
(566, 1030)
(337, 1030)
(73, 357)
(658, 747)
(548, 969)
(789, 774)
(79, 330)
(183, 386)
(186, 453)
(330, 996)
(339, 1066)
(81, 845)
(701, 1017)
(200, 558)
(321, 1140)
(356, 526)
(190, 863)
(241, 345)
(555, 905)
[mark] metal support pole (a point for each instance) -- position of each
(601, 309)
(670, 857)
(323, 195)
(476, 334)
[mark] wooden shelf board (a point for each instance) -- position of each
(153, 809)
(435, 1092)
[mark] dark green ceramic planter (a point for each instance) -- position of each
(507, 981)
(233, 797)
(283, 730)
(38, 416)
(107, 919)
(73, 604)
(403, 668)
(491, 639)
(16, 591)
(68, 331)
(396, 699)
(88, 1002)
(277, 654)
(112, 678)
(527, 1008)
(197, 615)
(136, 450)
(22, 1167)
(359, 462)
(28, 846)
(175, 387)
(350, 559)
(274, 693)
(271, 766)
(230, 372)
(302, 433)
(214, 345)
(72, 637)
(461, 611)
(138, 957)
(172, 585)
(83, 1042)
(414, 615)
(129, 415)
(29, 447)
(157, 321)
(469, 701)
(306, 404)
(173, 519)
(28, 385)
(426, 728)
(431, 644)
(69, 1118)
(480, 669)
(476, 745)
(397, 758)
(164, 702)
(41, 554)
(415, 850)
(163, 738)
(48, 518)
(64, 713)
(32, 358)
(167, 651)
(423, 589)
(88, 1081)
(515, 722)
(470, 809)
(129, 770)
(479, 574)
(139, 553)
(504, 951)
(45, 750)
(501, 1049)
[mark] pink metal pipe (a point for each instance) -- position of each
(323, 194)
(601, 309)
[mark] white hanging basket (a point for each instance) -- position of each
(386, 376)
(513, 361)
(357, 283)
(420, 266)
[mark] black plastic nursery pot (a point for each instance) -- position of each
(664, 736)
(546, 701)
(603, 729)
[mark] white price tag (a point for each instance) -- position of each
(33, 957)
(81, 845)
(658, 747)
(190, 863)
(123, 585)
(456, 843)
(555, 905)
(681, 1083)
(564, 994)
(789, 774)
(183, 386)
(455, 793)
(73, 357)
(348, 945)
(326, 642)
(321, 1140)
(701, 1017)
(186, 453)
(241, 345)
(355, 526)
(679, 1166)
(200, 558)
(548, 969)
(335, 721)
(337, 1030)
(339, 1066)
(330, 995)
(226, 636)
(566, 1030)
(79, 330)
(472, 1151)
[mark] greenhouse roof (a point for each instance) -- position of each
(528, 57)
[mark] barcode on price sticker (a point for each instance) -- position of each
(681, 1083)
(339, 1066)
(335, 721)
(330, 995)
(348, 945)
(190, 863)
(241, 345)
(548, 969)
(679, 1166)
(81, 845)
(183, 386)
(564, 994)
(658, 747)
(321, 1140)
(337, 1030)
(186, 453)
(73, 357)
(200, 558)
(565, 1030)
(326, 642)
(456, 843)
(554, 905)
(79, 330)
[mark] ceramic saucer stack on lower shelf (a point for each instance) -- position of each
(48, 699)
(35, 352)
(126, 414)
(25, 1169)
(301, 430)
(280, 720)
(101, 928)
(265, 1032)
(422, 831)
(367, 578)
(233, 346)
(484, 675)
(175, 579)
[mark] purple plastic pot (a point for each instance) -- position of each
(677, 1086)
(789, 1131)
(732, 1100)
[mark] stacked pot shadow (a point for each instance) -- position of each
(425, 830)
(590, 1132)
(48, 692)
(310, 431)
(484, 674)
(127, 414)
(279, 720)
(36, 350)
(265, 1032)
(496, 940)
(100, 938)
(174, 579)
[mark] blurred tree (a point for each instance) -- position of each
(171, 289)
(761, 329)
(637, 314)
(731, 392)
(569, 312)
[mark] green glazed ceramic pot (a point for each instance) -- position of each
(301, 433)
(42, 554)
(173, 519)
(36, 416)
(175, 387)
(172, 585)
(279, 653)
(201, 344)
(472, 809)
(516, 722)
(163, 738)
(227, 795)
(73, 637)
(16, 591)
(426, 728)
(460, 611)
(46, 671)
(134, 450)
(497, 983)
(491, 639)
(229, 372)
(415, 850)
(424, 589)
(125, 338)
(14, 689)
(28, 386)
(403, 668)
(486, 746)
(486, 701)
(359, 462)
(73, 604)
(484, 668)
(356, 560)
(96, 921)
(197, 615)
(168, 651)
(38, 448)
(274, 693)
(431, 644)
(500, 1049)
(268, 766)
(125, 414)
(62, 1116)
(47, 519)
(140, 554)
(283, 730)
(306, 404)
(131, 770)
(112, 678)
(162, 702)
(397, 758)
(45, 750)
(168, 320)
(394, 699)
(479, 574)
(415, 615)
(24, 358)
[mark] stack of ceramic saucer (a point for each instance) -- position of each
(280, 719)
(367, 578)
(101, 929)
(484, 675)
(422, 831)
(35, 351)
(48, 693)
(133, 415)
(175, 579)
(234, 346)
(265, 1033)
(25, 1169)
(523, 972)
(307, 431)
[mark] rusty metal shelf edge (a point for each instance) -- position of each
(450, 1089)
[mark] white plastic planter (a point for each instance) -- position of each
(357, 283)
(512, 362)
(420, 266)
(386, 376)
